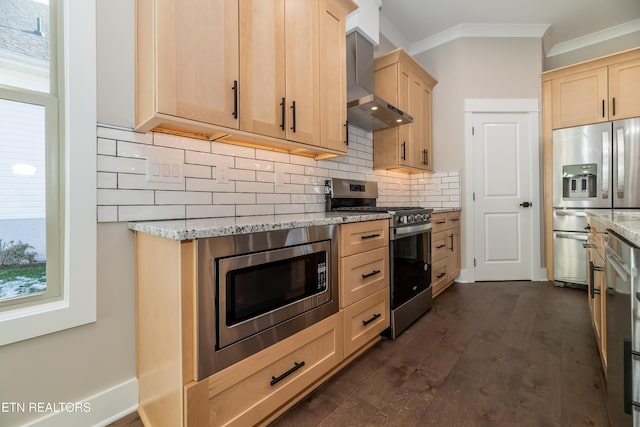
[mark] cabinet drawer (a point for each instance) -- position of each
(363, 274)
(365, 320)
(363, 236)
(439, 222)
(249, 391)
(453, 219)
(439, 246)
(439, 276)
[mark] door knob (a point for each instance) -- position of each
(526, 204)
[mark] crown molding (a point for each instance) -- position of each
(478, 30)
(593, 38)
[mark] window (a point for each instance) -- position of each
(47, 166)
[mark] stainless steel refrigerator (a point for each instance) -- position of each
(594, 166)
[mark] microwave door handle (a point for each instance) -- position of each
(606, 161)
(620, 174)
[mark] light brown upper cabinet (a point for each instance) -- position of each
(400, 80)
(599, 94)
(246, 72)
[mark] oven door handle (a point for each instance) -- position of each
(412, 230)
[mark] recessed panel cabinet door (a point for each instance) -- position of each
(197, 64)
(624, 90)
(302, 71)
(580, 99)
(333, 84)
(263, 102)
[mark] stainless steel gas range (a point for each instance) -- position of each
(409, 246)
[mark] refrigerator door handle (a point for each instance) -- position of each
(570, 213)
(606, 161)
(620, 174)
(579, 236)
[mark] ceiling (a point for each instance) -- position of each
(418, 25)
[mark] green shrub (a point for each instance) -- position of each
(12, 253)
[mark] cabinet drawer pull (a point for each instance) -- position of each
(455, 219)
(296, 366)
(375, 316)
(346, 133)
(440, 246)
(603, 108)
(373, 273)
(441, 221)
(439, 276)
(404, 151)
(370, 236)
(614, 105)
(293, 108)
(235, 99)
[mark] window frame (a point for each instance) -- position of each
(77, 133)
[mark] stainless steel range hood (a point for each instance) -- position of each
(364, 109)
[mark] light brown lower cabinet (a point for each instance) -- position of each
(261, 387)
(597, 287)
(445, 250)
(251, 390)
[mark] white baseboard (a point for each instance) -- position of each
(466, 276)
(98, 410)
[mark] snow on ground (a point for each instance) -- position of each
(22, 286)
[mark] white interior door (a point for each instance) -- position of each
(502, 186)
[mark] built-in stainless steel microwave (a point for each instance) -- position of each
(257, 289)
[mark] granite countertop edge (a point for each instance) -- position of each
(188, 229)
(445, 210)
(625, 222)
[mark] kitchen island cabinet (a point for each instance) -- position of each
(260, 387)
(597, 285)
(445, 250)
(266, 74)
(401, 80)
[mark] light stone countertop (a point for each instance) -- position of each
(625, 222)
(187, 229)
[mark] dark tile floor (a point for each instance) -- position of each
(487, 354)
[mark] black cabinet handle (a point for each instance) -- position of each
(404, 151)
(425, 157)
(451, 237)
(293, 107)
(442, 221)
(627, 352)
(370, 236)
(235, 99)
(440, 246)
(441, 275)
(375, 316)
(455, 219)
(614, 105)
(296, 366)
(373, 273)
(282, 106)
(592, 269)
(346, 133)
(587, 245)
(588, 227)
(603, 108)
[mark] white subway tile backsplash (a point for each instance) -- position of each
(249, 210)
(258, 182)
(150, 213)
(106, 147)
(234, 199)
(108, 197)
(181, 142)
(210, 211)
(183, 198)
(107, 180)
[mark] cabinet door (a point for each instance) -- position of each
(197, 60)
(333, 77)
(302, 70)
(453, 263)
(404, 131)
(580, 99)
(263, 103)
(415, 129)
(624, 90)
(427, 135)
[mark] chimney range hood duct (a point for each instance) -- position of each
(364, 109)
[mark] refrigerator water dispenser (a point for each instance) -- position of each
(579, 181)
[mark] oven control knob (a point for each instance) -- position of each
(402, 219)
(420, 218)
(411, 219)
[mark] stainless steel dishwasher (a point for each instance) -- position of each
(623, 331)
